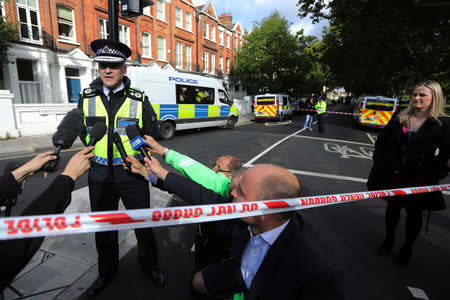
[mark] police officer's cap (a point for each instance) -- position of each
(110, 51)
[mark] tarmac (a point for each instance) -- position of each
(65, 266)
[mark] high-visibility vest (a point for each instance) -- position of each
(129, 113)
(321, 107)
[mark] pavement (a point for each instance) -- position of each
(65, 266)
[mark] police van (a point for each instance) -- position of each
(273, 106)
(374, 111)
(184, 100)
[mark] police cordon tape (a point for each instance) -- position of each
(332, 112)
(53, 225)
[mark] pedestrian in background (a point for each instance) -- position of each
(309, 114)
(321, 108)
(412, 150)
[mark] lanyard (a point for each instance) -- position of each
(409, 132)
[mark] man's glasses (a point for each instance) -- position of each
(114, 66)
(219, 169)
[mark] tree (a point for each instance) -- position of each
(272, 60)
(383, 46)
(8, 32)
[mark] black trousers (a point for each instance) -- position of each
(321, 122)
(105, 196)
(413, 222)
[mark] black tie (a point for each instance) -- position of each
(110, 94)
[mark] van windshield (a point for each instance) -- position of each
(265, 101)
(378, 104)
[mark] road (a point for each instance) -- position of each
(336, 161)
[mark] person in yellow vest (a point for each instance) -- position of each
(321, 108)
(200, 96)
(111, 99)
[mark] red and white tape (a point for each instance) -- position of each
(332, 112)
(52, 225)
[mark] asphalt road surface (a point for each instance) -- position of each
(336, 161)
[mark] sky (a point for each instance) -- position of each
(247, 11)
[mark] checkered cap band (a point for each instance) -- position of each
(110, 52)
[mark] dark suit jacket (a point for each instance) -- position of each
(15, 254)
(297, 266)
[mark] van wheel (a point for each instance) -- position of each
(166, 131)
(230, 122)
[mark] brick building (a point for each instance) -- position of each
(51, 59)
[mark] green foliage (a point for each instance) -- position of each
(384, 46)
(273, 60)
(8, 32)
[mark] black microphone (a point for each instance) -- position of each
(66, 133)
(97, 133)
(137, 142)
(118, 142)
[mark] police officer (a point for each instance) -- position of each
(111, 99)
(321, 108)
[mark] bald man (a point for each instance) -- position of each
(274, 256)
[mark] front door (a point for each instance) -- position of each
(73, 89)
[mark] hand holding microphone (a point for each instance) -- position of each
(66, 133)
(137, 142)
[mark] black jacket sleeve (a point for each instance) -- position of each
(383, 142)
(9, 188)
(444, 149)
(83, 132)
(15, 254)
(190, 191)
(149, 120)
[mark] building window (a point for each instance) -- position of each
(179, 55)
(2, 11)
(188, 22)
(236, 44)
(221, 64)
(66, 25)
(146, 11)
(160, 10)
(213, 33)
(178, 21)
(213, 63)
(228, 66)
(188, 60)
(206, 61)
(161, 48)
(146, 44)
(104, 32)
(220, 37)
(205, 30)
(124, 34)
(30, 27)
(236, 88)
(228, 40)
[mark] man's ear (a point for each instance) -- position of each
(125, 66)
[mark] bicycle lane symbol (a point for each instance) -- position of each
(348, 152)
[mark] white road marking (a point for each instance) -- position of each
(277, 123)
(271, 147)
(332, 140)
(371, 138)
(446, 192)
(348, 152)
(193, 248)
(418, 293)
(323, 175)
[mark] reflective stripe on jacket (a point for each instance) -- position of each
(321, 107)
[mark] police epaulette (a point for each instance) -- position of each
(135, 94)
(89, 92)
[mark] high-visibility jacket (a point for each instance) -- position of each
(321, 107)
(129, 113)
(199, 173)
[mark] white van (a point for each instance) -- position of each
(272, 106)
(184, 100)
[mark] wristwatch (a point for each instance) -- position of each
(163, 155)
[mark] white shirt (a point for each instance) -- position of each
(255, 251)
(106, 89)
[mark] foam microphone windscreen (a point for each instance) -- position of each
(69, 129)
(97, 133)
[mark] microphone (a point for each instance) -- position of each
(97, 133)
(118, 142)
(137, 142)
(66, 133)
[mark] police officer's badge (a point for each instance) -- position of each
(87, 91)
(105, 49)
(138, 95)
